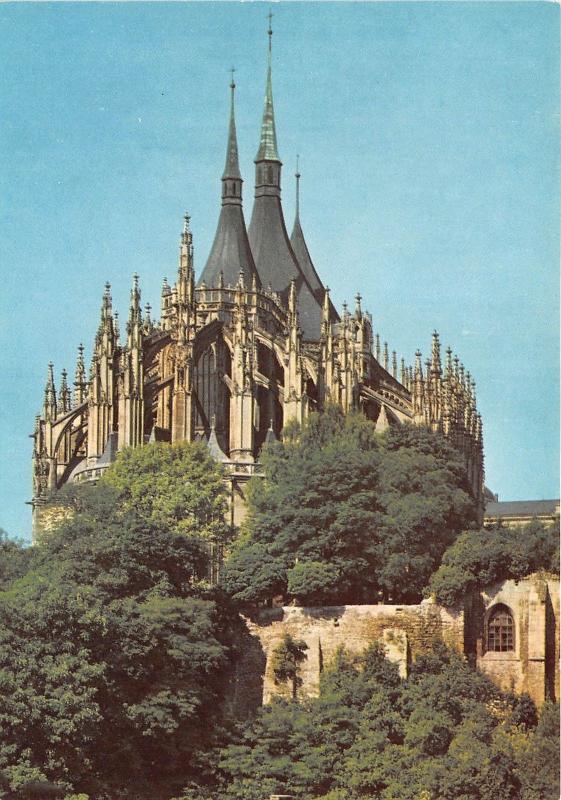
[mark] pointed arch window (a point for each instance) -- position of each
(500, 630)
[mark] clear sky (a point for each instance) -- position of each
(428, 136)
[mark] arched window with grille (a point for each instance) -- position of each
(500, 630)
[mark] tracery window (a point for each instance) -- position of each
(500, 630)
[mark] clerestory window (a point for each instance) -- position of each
(500, 630)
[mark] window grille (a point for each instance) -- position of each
(500, 631)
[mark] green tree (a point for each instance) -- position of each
(180, 486)
(479, 558)
(14, 558)
(114, 656)
(286, 660)
(343, 514)
(538, 758)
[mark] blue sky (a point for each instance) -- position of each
(428, 136)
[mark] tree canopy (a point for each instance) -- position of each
(479, 558)
(445, 733)
(344, 514)
(114, 654)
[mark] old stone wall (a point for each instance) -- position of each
(404, 630)
(532, 663)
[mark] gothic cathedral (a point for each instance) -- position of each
(252, 344)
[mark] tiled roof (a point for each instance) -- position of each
(522, 508)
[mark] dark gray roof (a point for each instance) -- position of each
(277, 264)
(230, 251)
(306, 265)
(523, 508)
(302, 254)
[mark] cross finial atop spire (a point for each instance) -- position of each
(297, 176)
(270, 30)
(232, 81)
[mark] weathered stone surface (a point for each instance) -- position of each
(407, 631)
(532, 665)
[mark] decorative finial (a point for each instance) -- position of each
(232, 81)
(358, 308)
(186, 221)
(270, 31)
(297, 176)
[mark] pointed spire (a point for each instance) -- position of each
(135, 294)
(436, 367)
(297, 176)
(64, 398)
(268, 143)
(230, 250)
(449, 368)
(135, 315)
(292, 297)
(148, 324)
(418, 366)
(232, 166)
(50, 407)
(326, 305)
(358, 307)
(80, 377)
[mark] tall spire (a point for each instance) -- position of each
(268, 142)
(231, 251)
(232, 166)
(275, 258)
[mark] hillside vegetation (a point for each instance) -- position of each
(117, 657)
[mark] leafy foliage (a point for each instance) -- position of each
(345, 514)
(445, 733)
(14, 558)
(479, 558)
(114, 655)
(286, 660)
(179, 486)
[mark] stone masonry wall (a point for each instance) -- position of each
(406, 631)
(532, 666)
